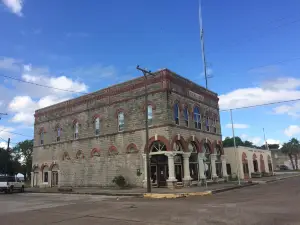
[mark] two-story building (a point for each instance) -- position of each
(89, 140)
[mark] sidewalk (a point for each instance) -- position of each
(212, 188)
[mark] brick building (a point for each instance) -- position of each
(89, 140)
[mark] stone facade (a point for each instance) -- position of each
(61, 158)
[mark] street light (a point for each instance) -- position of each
(145, 73)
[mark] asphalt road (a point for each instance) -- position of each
(274, 203)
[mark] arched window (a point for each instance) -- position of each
(121, 121)
(150, 115)
(177, 146)
(42, 137)
(158, 146)
(186, 116)
(76, 130)
(193, 161)
(58, 134)
(176, 114)
(97, 126)
(197, 118)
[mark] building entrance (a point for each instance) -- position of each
(159, 170)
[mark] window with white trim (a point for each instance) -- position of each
(121, 121)
(42, 134)
(76, 130)
(97, 126)
(58, 134)
(150, 115)
(197, 117)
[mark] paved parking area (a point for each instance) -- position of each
(274, 203)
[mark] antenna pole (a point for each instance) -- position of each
(202, 44)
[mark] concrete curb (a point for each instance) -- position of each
(177, 195)
(279, 179)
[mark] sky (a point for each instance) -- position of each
(251, 48)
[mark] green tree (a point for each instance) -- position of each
(228, 142)
(9, 163)
(24, 149)
(292, 149)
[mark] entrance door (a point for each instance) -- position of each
(178, 172)
(154, 175)
(162, 175)
(54, 179)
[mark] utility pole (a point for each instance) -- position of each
(202, 44)
(235, 150)
(148, 170)
(7, 150)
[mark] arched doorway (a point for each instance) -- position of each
(193, 161)
(270, 164)
(245, 165)
(219, 161)
(159, 164)
(255, 163)
(45, 178)
(262, 164)
(207, 161)
(178, 161)
(54, 175)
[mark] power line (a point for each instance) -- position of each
(7, 141)
(265, 104)
(24, 135)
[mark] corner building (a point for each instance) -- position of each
(89, 140)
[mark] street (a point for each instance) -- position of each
(273, 203)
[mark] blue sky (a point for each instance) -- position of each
(251, 48)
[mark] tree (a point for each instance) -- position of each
(292, 149)
(24, 150)
(270, 146)
(9, 163)
(228, 142)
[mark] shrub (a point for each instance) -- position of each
(120, 181)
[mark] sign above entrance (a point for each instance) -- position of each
(196, 96)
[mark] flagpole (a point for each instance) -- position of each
(202, 43)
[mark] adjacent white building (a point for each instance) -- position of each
(245, 161)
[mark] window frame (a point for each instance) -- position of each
(207, 125)
(58, 134)
(45, 175)
(186, 116)
(121, 123)
(197, 118)
(97, 125)
(150, 120)
(176, 113)
(76, 130)
(42, 137)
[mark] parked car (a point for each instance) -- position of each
(283, 167)
(10, 183)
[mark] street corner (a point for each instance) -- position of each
(176, 195)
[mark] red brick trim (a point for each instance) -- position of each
(95, 151)
(96, 116)
(159, 138)
(119, 111)
(79, 152)
(181, 141)
(42, 130)
(66, 156)
(209, 144)
(130, 146)
(196, 141)
(149, 103)
(244, 158)
(217, 143)
(113, 149)
(75, 121)
(51, 166)
(43, 166)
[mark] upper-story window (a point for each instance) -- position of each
(76, 130)
(150, 115)
(121, 121)
(207, 124)
(214, 125)
(176, 114)
(42, 135)
(197, 117)
(186, 116)
(58, 134)
(97, 126)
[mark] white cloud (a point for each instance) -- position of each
(292, 130)
(15, 6)
(32, 97)
(273, 141)
(291, 110)
(237, 126)
(9, 64)
(4, 134)
(281, 89)
(3, 144)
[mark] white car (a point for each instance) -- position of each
(10, 183)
